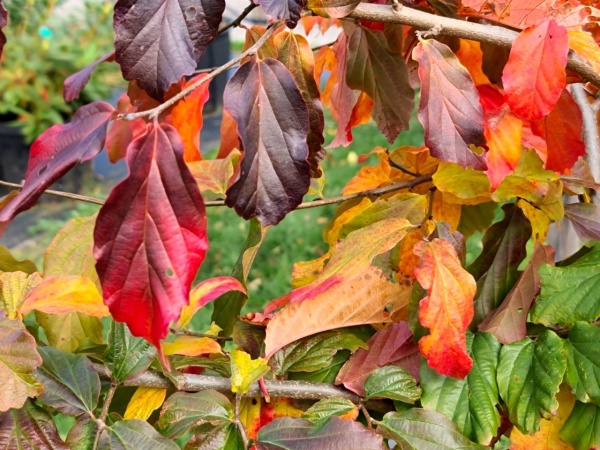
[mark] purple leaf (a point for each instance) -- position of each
(289, 10)
(76, 82)
(585, 218)
(3, 22)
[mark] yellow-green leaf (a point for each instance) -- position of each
(14, 287)
(245, 370)
(191, 346)
(144, 402)
(466, 186)
(71, 332)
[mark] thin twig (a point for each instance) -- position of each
(195, 334)
(238, 21)
(155, 112)
(238, 422)
(69, 195)
(368, 418)
(104, 413)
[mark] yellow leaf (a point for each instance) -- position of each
(305, 272)
(547, 437)
(539, 220)
(466, 186)
(584, 45)
(214, 175)
(444, 211)
(245, 370)
(191, 346)
(144, 402)
(66, 295)
(71, 332)
(369, 177)
(14, 288)
(343, 214)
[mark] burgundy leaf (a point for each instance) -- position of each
(378, 71)
(508, 322)
(76, 82)
(449, 108)
(3, 22)
(58, 150)
(289, 10)
(585, 218)
(159, 41)
(272, 118)
(150, 236)
(392, 345)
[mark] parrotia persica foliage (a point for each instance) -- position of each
(500, 349)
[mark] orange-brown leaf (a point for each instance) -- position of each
(503, 134)
(471, 56)
(215, 174)
(447, 310)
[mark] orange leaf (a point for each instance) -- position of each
(255, 413)
(229, 135)
(186, 117)
(444, 211)
(361, 300)
(503, 134)
(447, 310)
(191, 346)
(122, 132)
(586, 47)
(534, 75)
(369, 177)
(343, 214)
(471, 56)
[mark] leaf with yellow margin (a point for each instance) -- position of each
(245, 370)
(191, 346)
(144, 402)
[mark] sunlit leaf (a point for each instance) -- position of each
(14, 288)
(215, 174)
(144, 402)
(191, 346)
(470, 56)
(394, 383)
(245, 370)
(584, 44)
(468, 186)
(333, 406)
(71, 332)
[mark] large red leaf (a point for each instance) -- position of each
(447, 309)
(289, 10)
(534, 75)
(272, 118)
(73, 85)
(375, 69)
(150, 236)
(57, 151)
(562, 131)
(449, 108)
(159, 41)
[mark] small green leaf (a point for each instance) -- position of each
(182, 411)
(583, 362)
(29, 427)
(82, 434)
(324, 409)
(529, 375)
(127, 355)
(221, 437)
(422, 429)
(8, 263)
(392, 382)
(470, 403)
(582, 428)
(219, 363)
(245, 370)
(314, 352)
(134, 435)
(325, 375)
(71, 385)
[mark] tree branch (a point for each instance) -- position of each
(238, 20)
(69, 195)
(590, 129)
(491, 34)
(277, 388)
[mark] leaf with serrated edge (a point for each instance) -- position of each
(585, 218)
(334, 406)
(14, 288)
(144, 401)
(126, 355)
(134, 435)
(583, 364)
(529, 375)
(392, 382)
(191, 346)
(245, 370)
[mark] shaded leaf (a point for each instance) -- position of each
(449, 108)
(585, 218)
(144, 402)
(447, 310)
(508, 322)
(3, 22)
(245, 370)
(8, 263)
(71, 332)
(529, 375)
(288, 10)
(534, 75)
(392, 345)
(126, 355)
(191, 346)
(276, 131)
(183, 411)
(470, 403)
(583, 363)
(77, 82)
(14, 288)
(29, 427)
(57, 151)
(325, 375)
(582, 428)
(375, 69)
(221, 437)
(421, 429)
(300, 434)
(71, 385)
(82, 434)
(580, 178)
(328, 407)
(392, 382)
(18, 361)
(250, 338)
(146, 277)
(133, 435)
(332, 8)
(147, 30)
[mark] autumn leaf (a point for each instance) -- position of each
(245, 370)
(14, 288)
(191, 346)
(447, 309)
(75, 83)
(122, 132)
(144, 402)
(162, 198)
(288, 10)
(3, 21)
(584, 44)
(470, 55)
(534, 76)
(332, 8)
(503, 134)
(449, 108)
(467, 186)
(215, 174)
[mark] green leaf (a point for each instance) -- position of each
(18, 360)
(475, 218)
(324, 409)
(314, 352)
(72, 332)
(182, 411)
(221, 437)
(583, 362)
(29, 427)
(470, 403)
(218, 363)
(570, 293)
(227, 307)
(127, 355)
(325, 375)
(8, 263)
(288, 433)
(82, 434)
(421, 429)
(529, 375)
(392, 382)
(245, 370)
(71, 385)
(582, 428)
(134, 435)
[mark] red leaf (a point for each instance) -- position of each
(392, 345)
(272, 118)
(159, 41)
(562, 131)
(150, 236)
(449, 108)
(289, 10)
(75, 83)
(3, 22)
(534, 75)
(447, 310)
(58, 150)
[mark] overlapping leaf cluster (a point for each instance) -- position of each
(426, 350)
